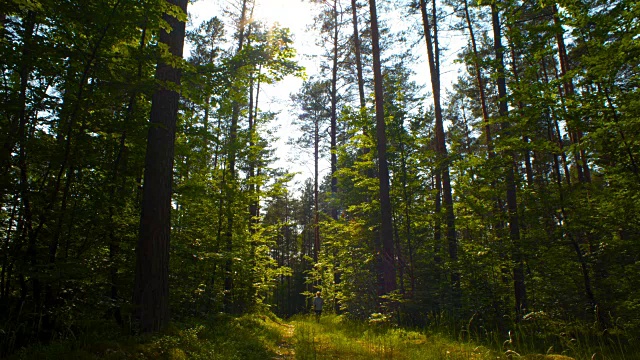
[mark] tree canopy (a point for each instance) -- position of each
(139, 184)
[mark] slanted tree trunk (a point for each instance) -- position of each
(558, 139)
(151, 289)
(478, 74)
(575, 133)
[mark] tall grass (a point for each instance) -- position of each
(263, 337)
(339, 338)
(538, 333)
(336, 337)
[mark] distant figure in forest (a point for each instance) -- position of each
(317, 306)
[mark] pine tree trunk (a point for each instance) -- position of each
(407, 195)
(525, 138)
(386, 226)
(151, 289)
(575, 133)
(358, 53)
(334, 115)
(231, 183)
(433, 53)
(512, 201)
(316, 180)
(478, 74)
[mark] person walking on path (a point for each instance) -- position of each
(317, 306)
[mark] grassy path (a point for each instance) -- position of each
(337, 338)
(285, 348)
(263, 337)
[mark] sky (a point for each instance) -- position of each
(298, 15)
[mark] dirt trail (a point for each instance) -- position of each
(286, 349)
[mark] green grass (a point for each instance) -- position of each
(335, 337)
(224, 337)
(263, 337)
(338, 338)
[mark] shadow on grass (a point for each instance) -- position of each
(222, 337)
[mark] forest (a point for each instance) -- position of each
(139, 185)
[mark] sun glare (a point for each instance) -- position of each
(294, 14)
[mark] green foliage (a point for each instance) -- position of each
(220, 337)
(337, 337)
(78, 91)
(76, 95)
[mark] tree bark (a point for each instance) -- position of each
(433, 53)
(334, 114)
(358, 53)
(575, 133)
(483, 97)
(408, 203)
(316, 192)
(525, 138)
(151, 289)
(231, 183)
(512, 201)
(386, 226)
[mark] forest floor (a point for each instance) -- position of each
(334, 337)
(263, 337)
(286, 346)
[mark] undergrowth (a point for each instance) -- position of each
(336, 337)
(222, 337)
(264, 337)
(539, 333)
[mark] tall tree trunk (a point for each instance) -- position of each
(15, 121)
(437, 242)
(512, 203)
(433, 53)
(575, 133)
(334, 137)
(231, 183)
(357, 44)
(7, 262)
(633, 162)
(408, 197)
(358, 53)
(151, 289)
(316, 180)
(334, 114)
(26, 230)
(118, 164)
(254, 188)
(386, 226)
(525, 138)
(584, 265)
(478, 74)
(557, 127)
